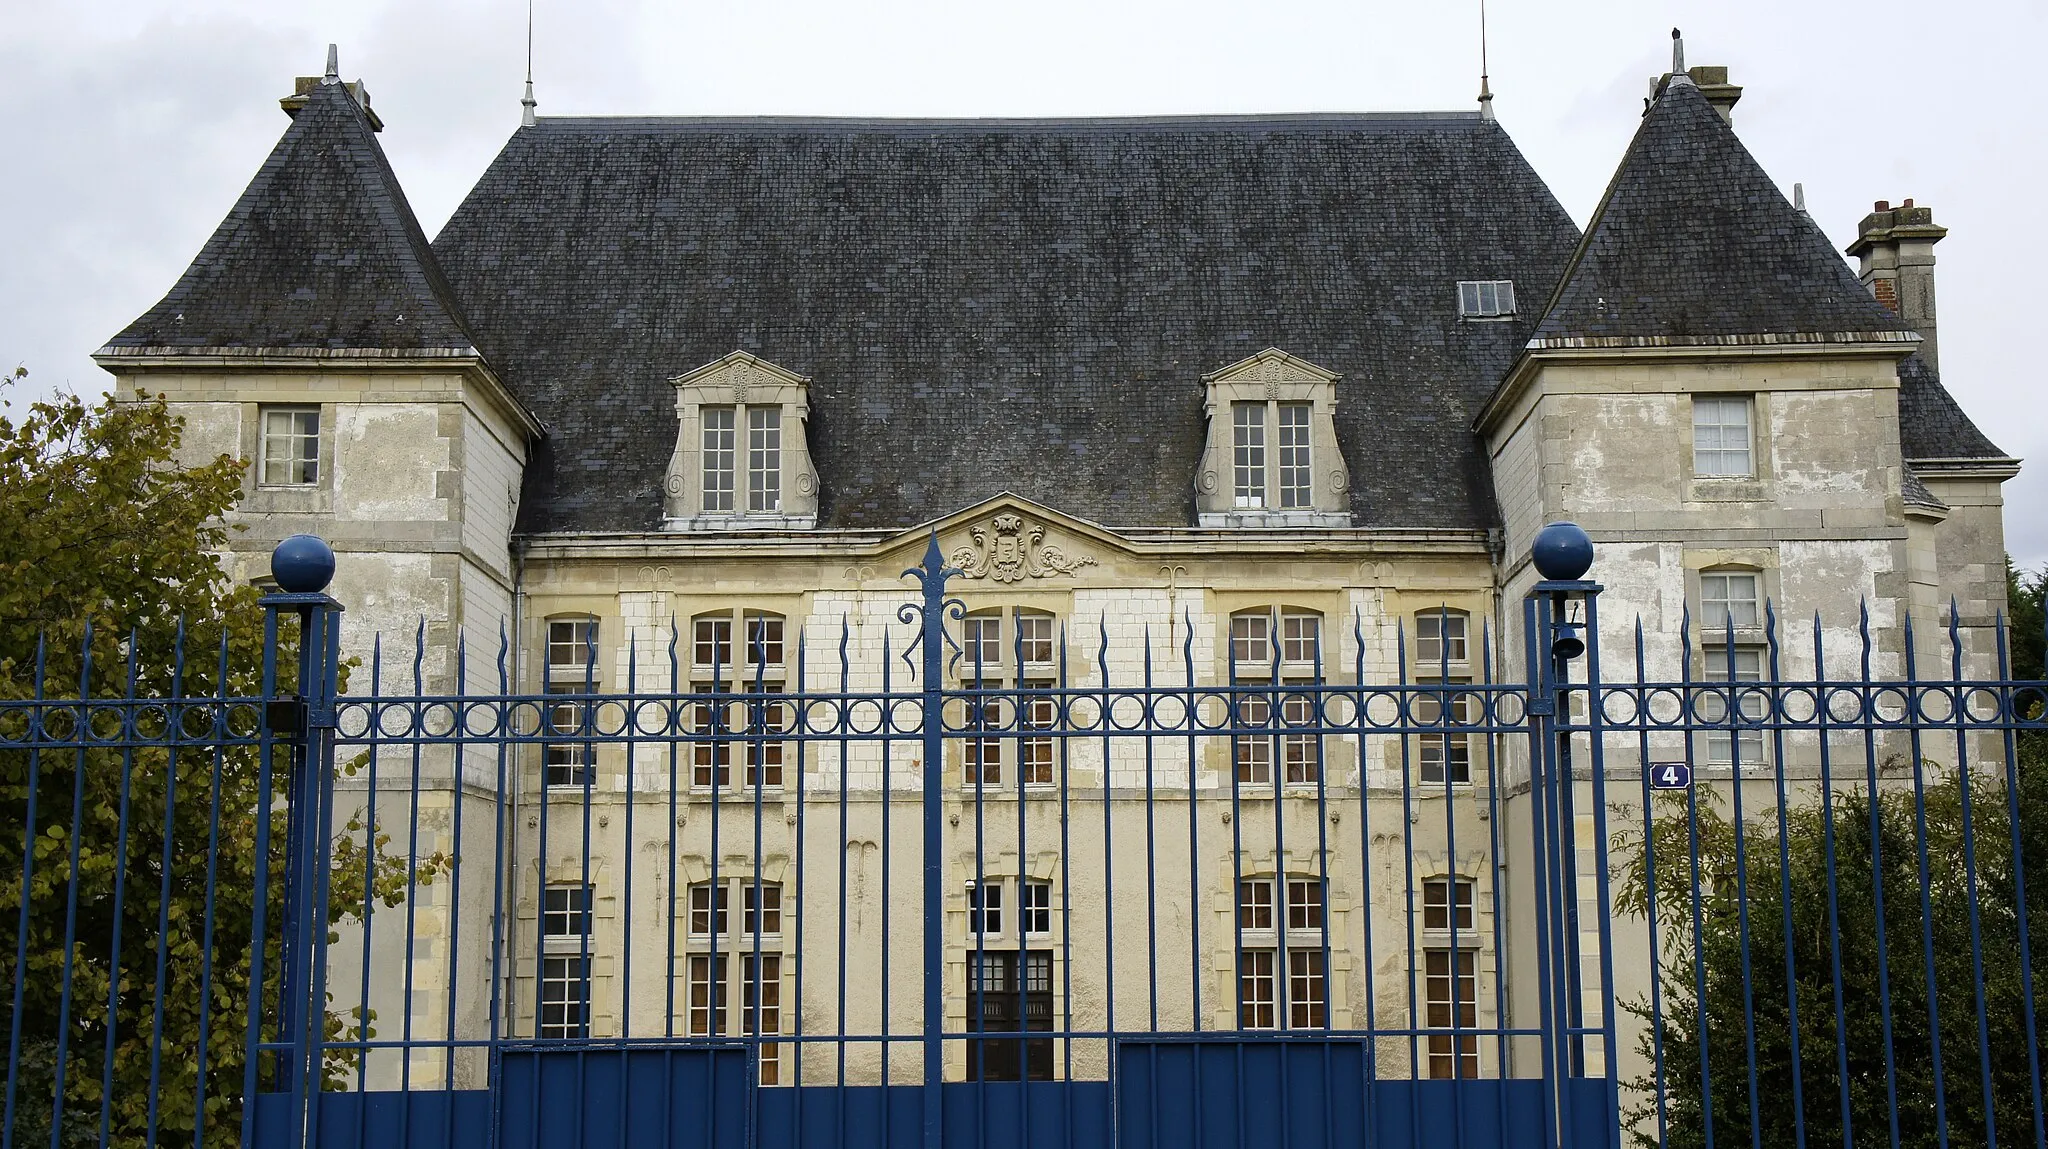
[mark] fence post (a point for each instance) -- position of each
(1562, 554)
(932, 575)
(300, 719)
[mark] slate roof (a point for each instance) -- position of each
(1002, 305)
(1932, 424)
(321, 254)
(1693, 244)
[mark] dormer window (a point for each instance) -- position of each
(1272, 457)
(741, 460)
(1486, 298)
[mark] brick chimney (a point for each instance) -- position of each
(1896, 247)
(1712, 81)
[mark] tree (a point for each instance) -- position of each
(2026, 594)
(128, 873)
(1725, 983)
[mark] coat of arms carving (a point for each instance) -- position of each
(1008, 549)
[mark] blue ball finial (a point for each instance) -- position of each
(1562, 552)
(302, 564)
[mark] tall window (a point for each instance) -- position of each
(1445, 757)
(290, 450)
(1011, 655)
(568, 763)
(1248, 452)
(984, 909)
(764, 459)
(737, 713)
(758, 945)
(1035, 906)
(1721, 437)
(1747, 738)
(1280, 970)
(717, 458)
(564, 999)
(1279, 647)
(1729, 598)
(1451, 992)
(1297, 483)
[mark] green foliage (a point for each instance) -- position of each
(111, 564)
(1718, 991)
(2026, 595)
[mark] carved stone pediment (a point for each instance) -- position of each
(1010, 548)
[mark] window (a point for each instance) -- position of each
(1720, 438)
(984, 649)
(1447, 904)
(1253, 751)
(717, 457)
(770, 915)
(707, 994)
(1035, 906)
(1248, 452)
(761, 1009)
(1486, 298)
(764, 459)
(1297, 481)
(290, 450)
(1444, 757)
(565, 977)
(984, 750)
(568, 763)
(999, 1000)
(764, 640)
(1723, 744)
(565, 913)
(758, 965)
(707, 909)
(1035, 751)
(572, 648)
(1729, 598)
(564, 997)
(988, 663)
(710, 746)
(1034, 637)
(1451, 992)
(764, 744)
(984, 909)
(1439, 638)
(1252, 647)
(712, 648)
(1261, 994)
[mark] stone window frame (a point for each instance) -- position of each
(1272, 378)
(721, 690)
(310, 498)
(1756, 486)
(743, 383)
(1279, 937)
(323, 460)
(1709, 645)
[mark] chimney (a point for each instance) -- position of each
(1896, 247)
(303, 87)
(1712, 81)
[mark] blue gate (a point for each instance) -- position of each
(973, 881)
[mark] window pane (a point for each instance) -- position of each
(707, 909)
(1034, 637)
(1256, 1004)
(1729, 597)
(1037, 908)
(564, 998)
(1297, 483)
(1723, 744)
(566, 912)
(718, 458)
(1720, 437)
(761, 1009)
(1248, 452)
(764, 639)
(710, 745)
(568, 763)
(1304, 904)
(1254, 752)
(1249, 635)
(1035, 752)
(1445, 901)
(1300, 636)
(984, 909)
(1305, 989)
(1301, 754)
(707, 995)
(765, 747)
(1439, 638)
(770, 895)
(1255, 905)
(983, 651)
(764, 459)
(291, 446)
(713, 645)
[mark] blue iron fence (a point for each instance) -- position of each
(986, 879)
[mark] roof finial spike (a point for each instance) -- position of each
(1485, 92)
(527, 104)
(1799, 198)
(333, 75)
(1677, 53)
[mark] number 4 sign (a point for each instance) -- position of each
(1670, 775)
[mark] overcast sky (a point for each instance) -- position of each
(130, 127)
